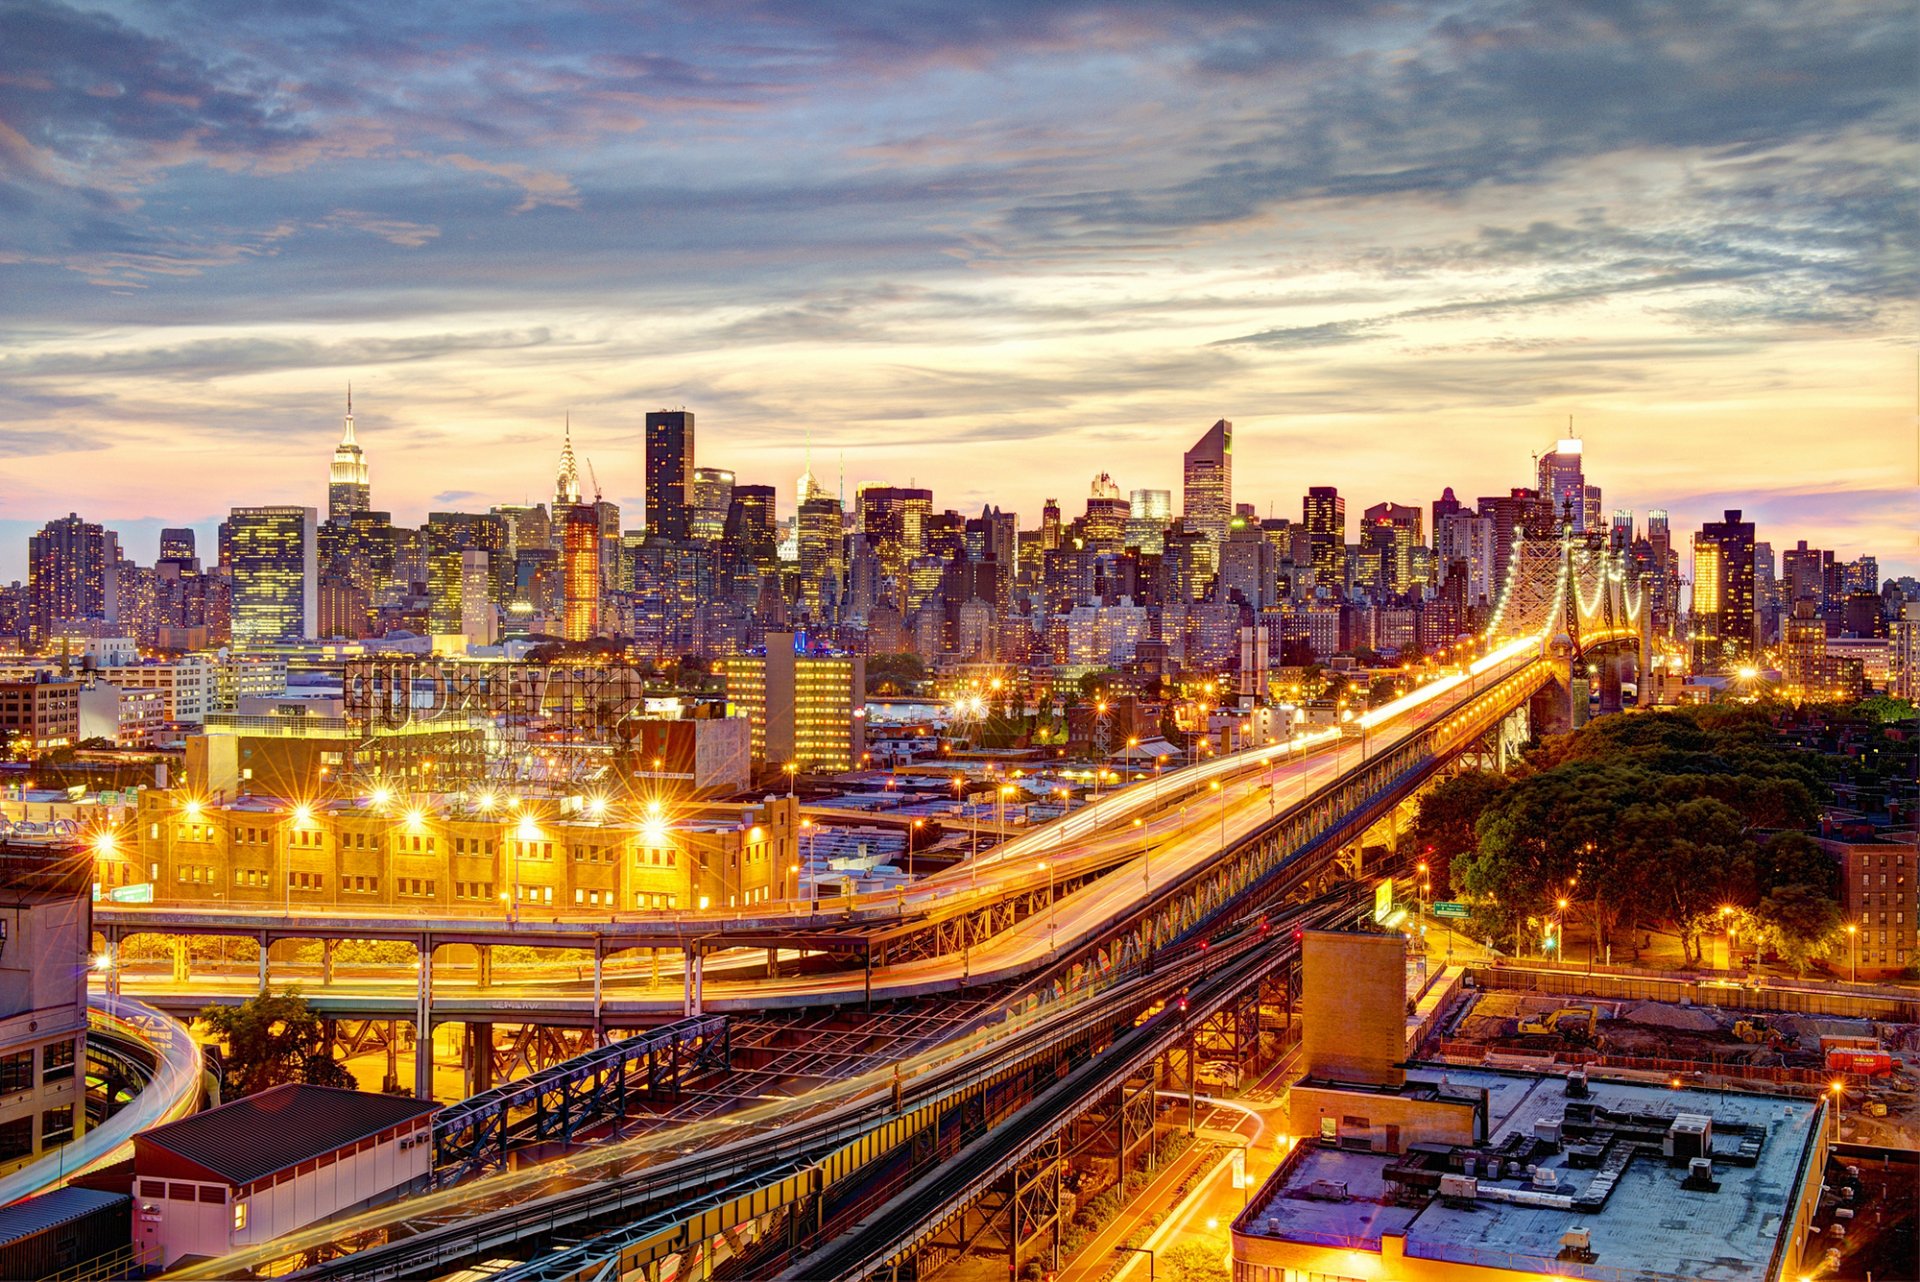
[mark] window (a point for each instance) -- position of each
(56, 1061)
(16, 1137)
(239, 1216)
(56, 1126)
(16, 1074)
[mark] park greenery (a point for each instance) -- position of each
(1684, 822)
(271, 1040)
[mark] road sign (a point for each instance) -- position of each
(1447, 908)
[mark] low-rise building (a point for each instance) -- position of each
(186, 684)
(39, 713)
(1879, 899)
(46, 930)
(805, 709)
(268, 1164)
(453, 854)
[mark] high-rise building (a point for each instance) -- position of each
(710, 499)
(822, 555)
(804, 709)
(73, 569)
(1105, 525)
(1149, 513)
(177, 545)
(1621, 536)
(1208, 500)
(669, 471)
(1444, 506)
(1723, 614)
(566, 483)
(1463, 544)
(1563, 482)
(347, 488)
(1324, 513)
(1249, 567)
(1392, 531)
(451, 586)
(276, 574)
(894, 520)
(527, 526)
(580, 571)
(1665, 582)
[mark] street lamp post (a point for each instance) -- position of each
(1048, 865)
(1853, 952)
(1140, 1250)
(910, 831)
(1146, 857)
(1214, 784)
(792, 769)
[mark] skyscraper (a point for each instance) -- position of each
(1209, 486)
(1324, 513)
(580, 571)
(276, 575)
(710, 498)
(72, 574)
(1723, 617)
(894, 520)
(1563, 481)
(347, 488)
(669, 470)
(1393, 531)
(177, 544)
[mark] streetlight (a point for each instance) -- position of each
(1560, 929)
(1146, 857)
(792, 769)
(1214, 785)
(1140, 1250)
(910, 831)
(1853, 952)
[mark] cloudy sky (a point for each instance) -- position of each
(994, 247)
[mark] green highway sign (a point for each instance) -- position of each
(1447, 908)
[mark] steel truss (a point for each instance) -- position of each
(558, 1103)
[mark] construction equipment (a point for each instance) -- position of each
(1574, 1023)
(1756, 1030)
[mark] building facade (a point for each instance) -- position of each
(47, 918)
(276, 575)
(806, 710)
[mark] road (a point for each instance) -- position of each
(1181, 830)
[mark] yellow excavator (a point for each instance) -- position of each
(1755, 1030)
(1574, 1023)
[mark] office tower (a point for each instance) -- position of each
(894, 521)
(580, 571)
(1563, 483)
(1463, 544)
(752, 532)
(1324, 513)
(1392, 531)
(1149, 513)
(1903, 667)
(1208, 500)
(1249, 567)
(1768, 611)
(177, 544)
(73, 569)
(669, 469)
(1723, 616)
(1621, 536)
(347, 488)
(1805, 573)
(807, 709)
(276, 574)
(710, 499)
(822, 556)
(1590, 510)
(1050, 525)
(1516, 514)
(1444, 506)
(1105, 524)
(616, 575)
(527, 525)
(1665, 583)
(450, 586)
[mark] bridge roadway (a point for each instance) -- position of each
(607, 1170)
(1184, 824)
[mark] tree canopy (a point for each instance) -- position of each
(1659, 819)
(270, 1040)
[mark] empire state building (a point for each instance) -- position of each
(347, 488)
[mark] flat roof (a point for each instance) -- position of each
(1651, 1226)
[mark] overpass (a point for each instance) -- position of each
(1108, 910)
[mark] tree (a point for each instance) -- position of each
(1800, 923)
(1444, 830)
(273, 1039)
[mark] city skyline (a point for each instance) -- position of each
(1687, 231)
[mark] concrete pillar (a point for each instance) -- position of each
(479, 1057)
(690, 1002)
(423, 1027)
(181, 971)
(264, 949)
(111, 954)
(392, 1079)
(599, 982)
(483, 954)
(326, 961)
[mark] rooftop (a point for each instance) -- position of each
(259, 1134)
(50, 1210)
(1644, 1219)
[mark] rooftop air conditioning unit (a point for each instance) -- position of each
(1460, 1186)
